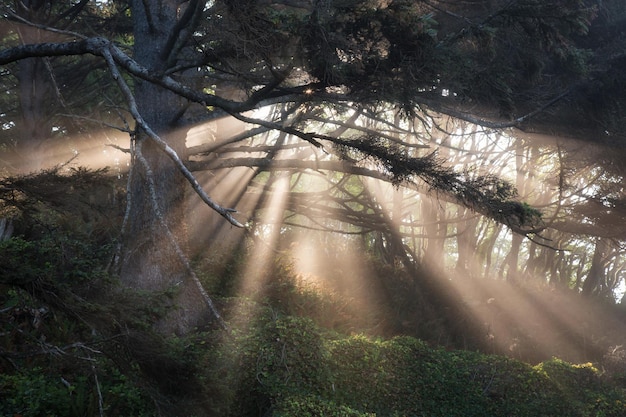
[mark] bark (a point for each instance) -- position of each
(467, 244)
(34, 130)
(435, 230)
(486, 248)
(34, 90)
(509, 269)
(154, 233)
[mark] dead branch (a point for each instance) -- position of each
(179, 252)
(169, 151)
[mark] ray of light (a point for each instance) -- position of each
(95, 150)
(214, 131)
(337, 264)
(207, 230)
(532, 323)
(268, 233)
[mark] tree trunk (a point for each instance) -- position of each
(435, 231)
(34, 91)
(509, 268)
(487, 246)
(155, 234)
(467, 243)
(596, 272)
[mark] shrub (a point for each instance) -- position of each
(312, 406)
(36, 393)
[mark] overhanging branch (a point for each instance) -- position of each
(169, 151)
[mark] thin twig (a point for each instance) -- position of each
(100, 400)
(45, 27)
(96, 121)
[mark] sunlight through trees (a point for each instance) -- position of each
(448, 171)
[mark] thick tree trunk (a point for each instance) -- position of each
(34, 91)
(155, 233)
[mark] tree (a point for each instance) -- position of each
(496, 63)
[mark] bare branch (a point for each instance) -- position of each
(49, 28)
(179, 252)
(212, 147)
(169, 151)
(183, 30)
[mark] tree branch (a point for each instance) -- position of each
(517, 122)
(169, 151)
(179, 252)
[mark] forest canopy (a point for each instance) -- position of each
(192, 187)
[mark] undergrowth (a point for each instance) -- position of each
(74, 343)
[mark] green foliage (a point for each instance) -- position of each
(276, 363)
(37, 393)
(268, 358)
(285, 366)
(311, 406)
(81, 203)
(583, 389)
(56, 320)
(54, 256)
(32, 394)
(292, 295)
(398, 52)
(294, 357)
(273, 361)
(61, 318)
(402, 376)
(487, 194)
(285, 291)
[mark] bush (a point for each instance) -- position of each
(582, 387)
(312, 406)
(57, 257)
(259, 364)
(35, 393)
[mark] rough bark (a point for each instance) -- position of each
(34, 90)
(155, 224)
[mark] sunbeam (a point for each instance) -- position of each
(207, 230)
(531, 323)
(96, 150)
(267, 233)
